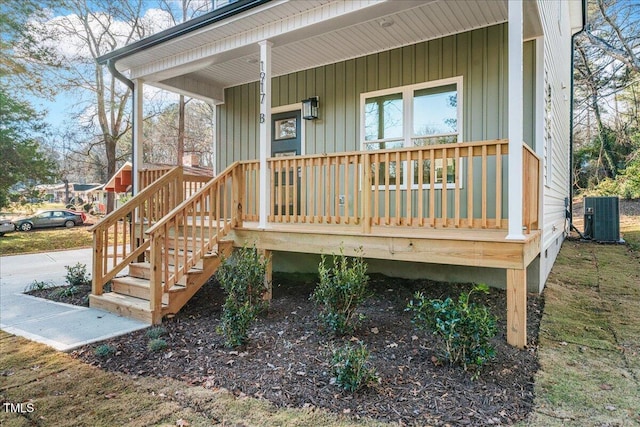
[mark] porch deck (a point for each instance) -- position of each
(477, 248)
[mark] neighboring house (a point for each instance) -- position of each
(58, 192)
(434, 134)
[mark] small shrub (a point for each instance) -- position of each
(351, 367)
(67, 291)
(38, 285)
(156, 344)
(77, 275)
(465, 328)
(242, 279)
(155, 332)
(341, 290)
(105, 350)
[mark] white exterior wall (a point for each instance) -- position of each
(555, 186)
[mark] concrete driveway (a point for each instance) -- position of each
(61, 326)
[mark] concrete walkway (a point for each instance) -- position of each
(61, 326)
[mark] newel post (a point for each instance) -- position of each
(98, 256)
(237, 189)
(155, 285)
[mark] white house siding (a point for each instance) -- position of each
(557, 54)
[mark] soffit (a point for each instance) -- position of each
(310, 33)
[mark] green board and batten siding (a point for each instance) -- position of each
(479, 56)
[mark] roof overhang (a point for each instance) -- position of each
(121, 180)
(202, 60)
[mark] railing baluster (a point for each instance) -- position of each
(376, 190)
(470, 216)
(387, 188)
(484, 186)
(409, 184)
(432, 187)
(445, 188)
(303, 195)
(420, 187)
(456, 179)
(336, 190)
(398, 195)
(356, 189)
(498, 185)
(296, 189)
(327, 189)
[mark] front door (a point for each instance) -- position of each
(285, 134)
(286, 140)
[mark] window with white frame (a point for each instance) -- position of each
(416, 115)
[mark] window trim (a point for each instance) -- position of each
(407, 125)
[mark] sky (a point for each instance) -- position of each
(61, 112)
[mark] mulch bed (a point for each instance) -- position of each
(76, 295)
(287, 358)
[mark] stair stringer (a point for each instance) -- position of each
(196, 279)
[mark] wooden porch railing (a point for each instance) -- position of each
(531, 189)
(191, 183)
(120, 237)
(187, 233)
(451, 185)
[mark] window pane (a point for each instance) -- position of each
(381, 168)
(383, 117)
(435, 110)
(449, 174)
(432, 140)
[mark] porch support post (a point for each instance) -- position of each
(268, 274)
(265, 127)
(517, 307)
(138, 113)
(516, 134)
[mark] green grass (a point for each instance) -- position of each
(20, 242)
(589, 349)
(44, 240)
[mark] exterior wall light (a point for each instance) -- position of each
(310, 108)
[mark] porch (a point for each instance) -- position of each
(438, 204)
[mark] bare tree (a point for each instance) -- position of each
(92, 28)
(606, 65)
(615, 30)
(182, 11)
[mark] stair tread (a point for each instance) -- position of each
(126, 300)
(130, 280)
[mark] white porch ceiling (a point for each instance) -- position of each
(307, 34)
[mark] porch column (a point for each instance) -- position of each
(137, 161)
(265, 127)
(516, 279)
(516, 134)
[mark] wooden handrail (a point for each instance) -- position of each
(119, 237)
(185, 235)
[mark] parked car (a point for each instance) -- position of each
(6, 226)
(52, 218)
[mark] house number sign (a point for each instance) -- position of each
(262, 92)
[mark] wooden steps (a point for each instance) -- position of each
(130, 295)
(123, 305)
